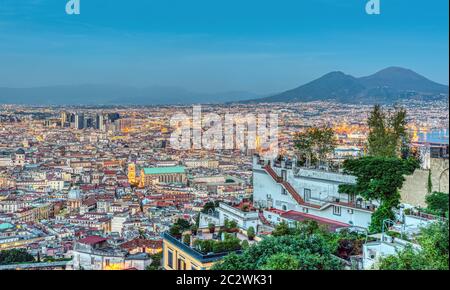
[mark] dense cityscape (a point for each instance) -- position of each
(101, 188)
(224, 144)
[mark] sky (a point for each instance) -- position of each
(259, 46)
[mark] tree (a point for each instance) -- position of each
(245, 244)
(311, 227)
(176, 231)
(233, 224)
(184, 224)
(434, 255)
(430, 182)
(309, 252)
(314, 145)
(435, 245)
(383, 213)
(282, 261)
(438, 203)
(230, 226)
(156, 262)
(282, 229)
(378, 178)
(15, 256)
(387, 133)
(408, 259)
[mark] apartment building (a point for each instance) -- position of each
(282, 186)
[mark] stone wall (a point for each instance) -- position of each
(415, 187)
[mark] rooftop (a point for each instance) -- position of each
(6, 226)
(298, 216)
(92, 240)
(205, 258)
(164, 170)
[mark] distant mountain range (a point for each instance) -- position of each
(387, 86)
(390, 85)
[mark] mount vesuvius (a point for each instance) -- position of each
(389, 85)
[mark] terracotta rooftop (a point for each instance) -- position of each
(92, 240)
(298, 216)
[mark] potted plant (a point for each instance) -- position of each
(187, 239)
(175, 231)
(194, 229)
(212, 228)
(251, 233)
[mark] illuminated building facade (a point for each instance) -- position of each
(132, 173)
(164, 175)
(180, 256)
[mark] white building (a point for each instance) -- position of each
(373, 252)
(94, 253)
(5, 160)
(118, 221)
(55, 185)
(202, 163)
(283, 186)
(243, 218)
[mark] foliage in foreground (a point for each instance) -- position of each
(438, 203)
(307, 247)
(156, 262)
(434, 241)
(15, 256)
(299, 252)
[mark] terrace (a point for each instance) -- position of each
(195, 252)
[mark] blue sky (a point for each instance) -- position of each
(261, 46)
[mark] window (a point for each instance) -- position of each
(336, 210)
(284, 175)
(170, 259)
(107, 262)
(283, 191)
(350, 211)
(305, 210)
(307, 193)
(181, 264)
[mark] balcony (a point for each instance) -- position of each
(358, 204)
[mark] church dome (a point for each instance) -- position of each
(20, 152)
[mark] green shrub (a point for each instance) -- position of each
(438, 203)
(251, 233)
